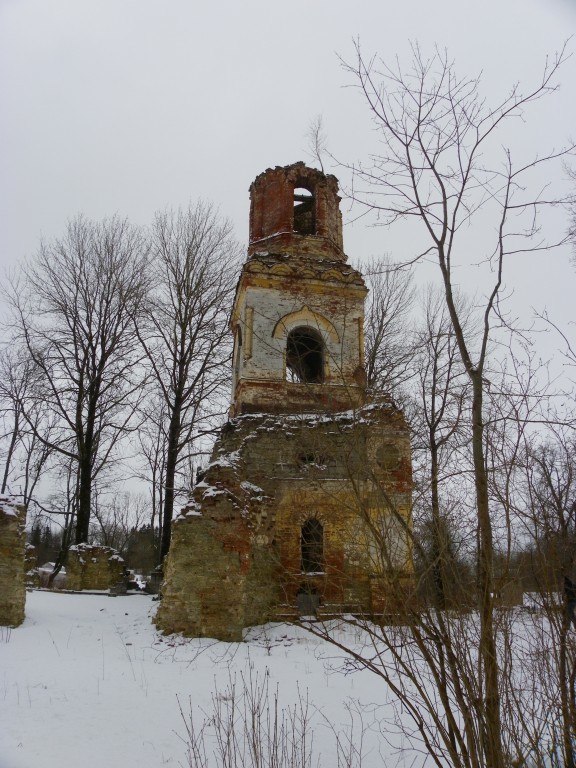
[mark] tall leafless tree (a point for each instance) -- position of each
(152, 443)
(439, 436)
(26, 457)
(185, 333)
(387, 328)
(73, 315)
(438, 138)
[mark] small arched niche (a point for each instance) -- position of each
(305, 356)
(237, 354)
(304, 211)
(312, 546)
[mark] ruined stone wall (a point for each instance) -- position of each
(235, 558)
(93, 567)
(12, 556)
(282, 486)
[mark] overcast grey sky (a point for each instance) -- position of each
(131, 106)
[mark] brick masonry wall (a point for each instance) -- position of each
(235, 556)
(293, 278)
(272, 211)
(12, 555)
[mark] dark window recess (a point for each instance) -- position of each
(304, 212)
(305, 356)
(312, 460)
(312, 546)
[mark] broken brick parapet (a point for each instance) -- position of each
(274, 211)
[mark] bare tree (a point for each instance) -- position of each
(387, 329)
(439, 434)
(437, 136)
(73, 314)
(185, 332)
(117, 519)
(317, 141)
(152, 442)
(14, 380)
(553, 491)
(544, 509)
(26, 457)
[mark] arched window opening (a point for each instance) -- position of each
(312, 546)
(305, 356)
(304, 211)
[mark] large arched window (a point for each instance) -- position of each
(312, 546)
(305, 356)
(304, 211)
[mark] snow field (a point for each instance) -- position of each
(87, 681)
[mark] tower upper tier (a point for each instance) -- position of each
(298, 314)
(295, 209)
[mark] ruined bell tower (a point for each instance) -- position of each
(299, 311)
(305, 507)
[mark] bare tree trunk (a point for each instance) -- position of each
(173, 440)
(487, 647)
(439, 550)
(185, 332)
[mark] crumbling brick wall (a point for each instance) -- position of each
(273, 212)
(236, 552)
(12, 553)
(93, 567)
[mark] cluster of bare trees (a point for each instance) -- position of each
(115, 367)
(493, 438)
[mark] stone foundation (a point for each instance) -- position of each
(237, 557)
(12, 555)
(93, 567)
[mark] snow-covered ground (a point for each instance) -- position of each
(87, 681)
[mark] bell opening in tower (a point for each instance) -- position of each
(304, 211)
(304, 356)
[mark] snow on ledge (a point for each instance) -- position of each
(8, 505)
